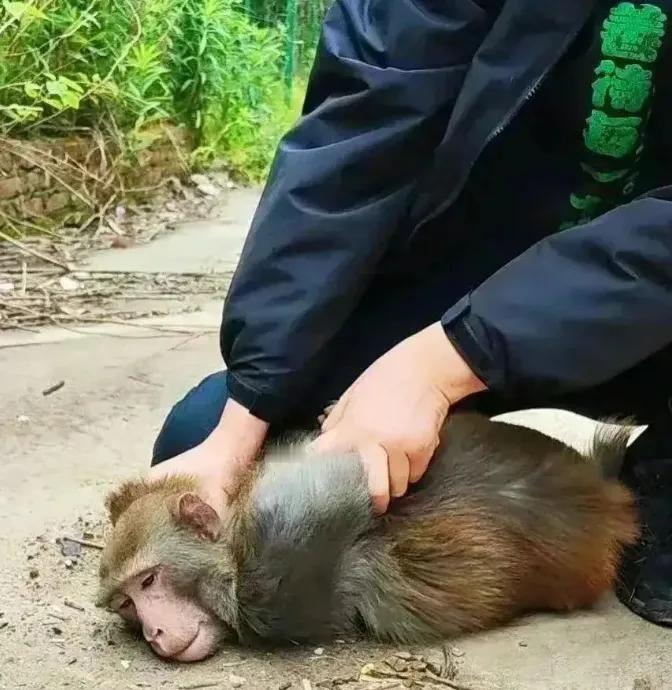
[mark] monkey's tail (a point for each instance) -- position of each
(609, 444)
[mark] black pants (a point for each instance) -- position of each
(392, 310)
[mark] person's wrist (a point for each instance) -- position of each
(451, 374)
(238, 436)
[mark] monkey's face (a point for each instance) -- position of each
(165, 571)
(174, 624)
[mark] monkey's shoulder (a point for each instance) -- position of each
(307, 514)
(295, 482)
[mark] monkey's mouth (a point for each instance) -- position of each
(184, 654)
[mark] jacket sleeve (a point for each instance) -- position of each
(575, 310)
(386, 76)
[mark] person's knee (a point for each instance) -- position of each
(192, 419)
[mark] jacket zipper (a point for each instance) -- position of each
(528, 95)
(507, 120)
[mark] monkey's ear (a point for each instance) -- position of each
(191, 511)
(118, 501)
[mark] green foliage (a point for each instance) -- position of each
(215, 66)
(309, 15)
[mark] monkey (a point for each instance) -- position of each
(506, 521)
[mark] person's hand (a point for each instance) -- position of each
(222, 459)
(393, 413)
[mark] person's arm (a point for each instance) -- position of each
(386, 76)
(380, 95)
(573, 311)
(221, 461)
(576, 309)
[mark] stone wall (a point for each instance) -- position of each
(46, 181)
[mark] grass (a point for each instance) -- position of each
(119, 66)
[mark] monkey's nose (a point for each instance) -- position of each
(151, 633)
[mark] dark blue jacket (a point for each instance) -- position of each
(404, 97)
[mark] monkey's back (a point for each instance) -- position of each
(506, 520)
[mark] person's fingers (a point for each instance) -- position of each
(328, 409)
(374, 458)
(419, 462)
(334, 413)
(326, 442)
(399, 469)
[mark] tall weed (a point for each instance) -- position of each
(68, 65)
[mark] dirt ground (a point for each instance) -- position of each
(61, 452)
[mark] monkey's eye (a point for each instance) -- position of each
(148, 581)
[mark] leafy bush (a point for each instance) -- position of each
(68, 65)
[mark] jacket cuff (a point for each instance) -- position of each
(269, 408)
(485, 356)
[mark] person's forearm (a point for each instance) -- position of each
(239, 435)
(576, 309)
(314, 244)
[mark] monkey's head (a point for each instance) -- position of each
(166, 569)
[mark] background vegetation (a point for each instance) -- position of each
(231, 71)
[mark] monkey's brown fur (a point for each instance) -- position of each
(505, 521)
(548, 538)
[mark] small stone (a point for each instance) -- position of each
(34, 573)
(398, 664)
(456, 652)
(56, 630)
(236, 681)
(204, 185)
(125, 664)
(9, 187)
(407, 656)
(57, 202)
(68, 283)
(70, 548)
(22, 419)
(435, 668)
(34, 206)
(69, 564)
(319, 651)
